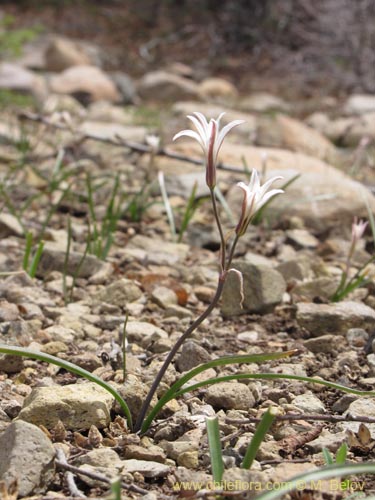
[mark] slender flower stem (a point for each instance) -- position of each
(174, 350)
(232, 250)
(220, 229)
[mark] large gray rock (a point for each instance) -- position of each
(323, 196)
(263, 102)
(54, 260)
(63, 53)
(15, 77)
(263, 288)
(358, 104)
(78, 406)
(164, 86)
(337, 318)
(26, 455)
(286, 132)
(113, 131)
(85, 80)
(346, 131)
(217, 89)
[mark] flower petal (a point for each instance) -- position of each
(268, 184)
(192, 134)
(225, 130)
(262, 201)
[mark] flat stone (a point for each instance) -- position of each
(159, 251)
(192, 355)
(230, 396)
(263, 289)
(152, 453)
(298, 268)
(62, 53)
(263, 102)
(147, 468)
(359, 103)
(113, 131)
(78, 406)
(309, 403)
(323, 286)
(334, 318)
(286, 132)
(301, 238)
(357, 337)
(120, 292)
(324, 343)
(10, 364)
(143, 332)
(217, 89)
(361, 407)
(9, 226)
(327, 440)
(85, 80)
(54, 260)
(249, 336)
(26, 455)
(167, 87)
(164, 297)
(100, 457)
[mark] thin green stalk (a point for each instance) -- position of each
(78, 268)
(258, 437)
(70, 367)
(189, 212)
(52, 210)
(214, 444)
(66, 261)
(34, 263)
(29, 244)
(116, 489)
(220, 229)
(123, 345)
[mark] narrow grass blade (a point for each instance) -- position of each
(328, 458)
(167, 204)
(272, 376)
(214, 444)
(29, 244)
(34, 263)
(116, 489)
(70, 367)
(226, 360)
(260, 432)
(189, 211)
(342, 454)
(66, 261)
(314, 477)
(123, 346)
(370, 217)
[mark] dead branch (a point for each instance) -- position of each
(120, 142)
